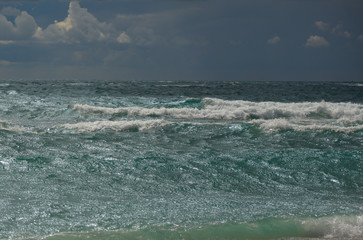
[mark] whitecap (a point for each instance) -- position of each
(140, 125)
(352, 84)
(12, 92)
(9, 126)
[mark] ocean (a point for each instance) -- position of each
(181, 160)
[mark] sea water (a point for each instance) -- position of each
(181, 160)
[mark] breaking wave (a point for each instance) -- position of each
(313, 116)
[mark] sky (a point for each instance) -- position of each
(227, 40)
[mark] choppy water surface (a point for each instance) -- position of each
(181, 160)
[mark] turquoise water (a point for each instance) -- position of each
(181, 160)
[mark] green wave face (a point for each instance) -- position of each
(334, 227)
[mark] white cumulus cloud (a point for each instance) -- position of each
(322, 25)
(10, 11)
(360, 37)
(316, 41)
(24, 25)
(123, 38)
(346, 34)
(79, 26)
(339, 30)
(274, 40)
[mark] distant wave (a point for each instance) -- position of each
(315, 116)
(181, 85)
(352, 84)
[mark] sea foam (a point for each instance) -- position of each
(336, 227)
